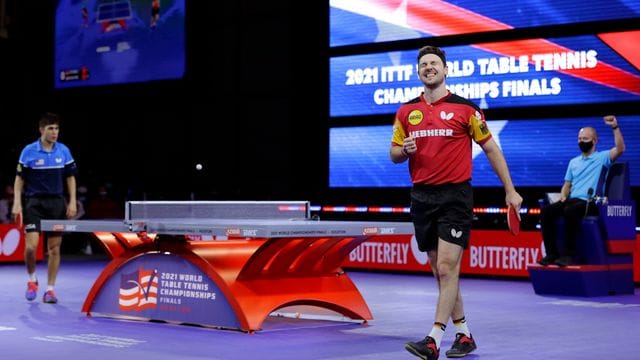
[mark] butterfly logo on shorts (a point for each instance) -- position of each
(456, 234)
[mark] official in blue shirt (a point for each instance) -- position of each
(580, 183)
(44, 167)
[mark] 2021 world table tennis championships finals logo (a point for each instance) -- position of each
(138, 290)
(156, 288)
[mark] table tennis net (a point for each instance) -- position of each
(139, 210)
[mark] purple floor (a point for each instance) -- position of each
(508, 320)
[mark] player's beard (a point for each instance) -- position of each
(433, 82)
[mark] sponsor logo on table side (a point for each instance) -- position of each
(374, 230)
(63, 227)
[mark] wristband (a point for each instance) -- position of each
(615, 127)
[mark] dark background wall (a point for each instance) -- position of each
(252, 107)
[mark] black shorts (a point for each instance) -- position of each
(442, 211)
(38, 208)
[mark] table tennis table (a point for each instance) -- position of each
(258, 257)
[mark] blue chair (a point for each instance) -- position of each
(605, 245)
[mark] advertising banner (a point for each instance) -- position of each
(12, 244)
(490, 252)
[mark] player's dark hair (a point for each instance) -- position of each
(49, 119)
(432, 50)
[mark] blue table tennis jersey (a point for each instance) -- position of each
(584, 172)
(44, 172)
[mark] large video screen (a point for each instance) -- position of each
(537, 151)
(104, 42)
(534, 72)
(370, 21)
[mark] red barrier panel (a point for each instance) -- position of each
(490, 252)
(12, 244)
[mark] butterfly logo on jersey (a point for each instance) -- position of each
(445, 116)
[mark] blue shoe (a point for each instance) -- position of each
(32, 290)
(49, 297)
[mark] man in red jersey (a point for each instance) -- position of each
(434, 132)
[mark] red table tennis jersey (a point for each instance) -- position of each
(443, 132)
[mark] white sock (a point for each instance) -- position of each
(437, 332)
(49, 287)
(32, 277)
(461, 327)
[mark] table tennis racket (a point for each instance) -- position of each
(513, 220)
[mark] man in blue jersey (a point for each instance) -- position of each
(580, 182)
(44, 168)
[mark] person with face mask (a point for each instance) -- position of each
(580, 182)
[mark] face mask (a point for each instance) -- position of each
(585, 146)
